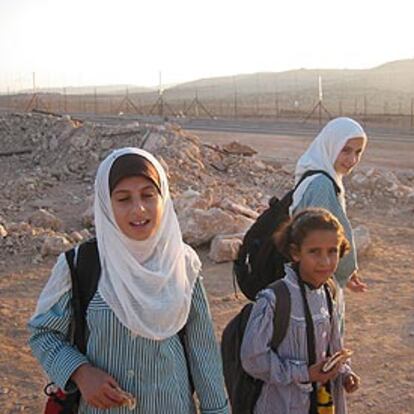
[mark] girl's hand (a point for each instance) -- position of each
(351, 382)
(316, 374)
(97, 387)
(355, 284)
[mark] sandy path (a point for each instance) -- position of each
(380, 323)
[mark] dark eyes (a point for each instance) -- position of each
(334, 250)
(348, 150)
(146, 195)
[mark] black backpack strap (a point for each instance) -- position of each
(182, 333)
(282, 313)
(329, 299)
(84, 276)
(310, 339)
(313, 172)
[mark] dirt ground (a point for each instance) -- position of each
(380, 323)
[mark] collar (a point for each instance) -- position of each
(292, 273)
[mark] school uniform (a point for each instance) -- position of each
(156, 372)
(149, 289)
(286, 388)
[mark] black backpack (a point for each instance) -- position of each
(244, 390)
(85, 276)
(259, 263)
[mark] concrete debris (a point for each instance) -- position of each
(216, 189)
(224, 248)
(237, 148)
(201, 226)
(45, 219)
(54, 245)
(3, 231)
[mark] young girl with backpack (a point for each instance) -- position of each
(294, 382)
(336, 151)
(149, 290)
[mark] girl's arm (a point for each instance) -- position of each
(321, 193)
(204, 356)
(49, 343)
(258, 359)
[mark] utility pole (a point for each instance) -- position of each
(65, 101)
(319, 105)
(95, 101)
(235, 97)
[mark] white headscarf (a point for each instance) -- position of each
(322, 154)
(148, 284)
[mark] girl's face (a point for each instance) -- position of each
(349, 156)
(137, 207)
(317, 256)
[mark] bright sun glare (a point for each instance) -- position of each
(128, 42)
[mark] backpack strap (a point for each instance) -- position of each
(329, 299)
(313, 172)
(282, 313)
(84, 276)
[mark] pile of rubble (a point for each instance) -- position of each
(382, 188)
(42, 235)
(218, 191)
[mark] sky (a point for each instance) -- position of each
(97, 42)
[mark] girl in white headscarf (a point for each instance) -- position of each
(149, 290)
(336, 150)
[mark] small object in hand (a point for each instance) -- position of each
(336, 358)
(129, 400)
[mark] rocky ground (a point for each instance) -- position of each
(47, 166)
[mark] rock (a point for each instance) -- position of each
(37, 259)
(228, 204)
(85, 233)
(76, 236)
(200, 226)
(53, 143)
(237, 148)
(224, 248)
(360, 180)
(21, 227)
(194, 199)
(3, 231)
(289, 169)
(54, 245)
(43, 218)
(362, 240)
(88, 216)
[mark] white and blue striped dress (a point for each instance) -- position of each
(156, 372)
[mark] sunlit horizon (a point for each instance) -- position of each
(91, 43)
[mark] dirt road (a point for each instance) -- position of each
(380, 323)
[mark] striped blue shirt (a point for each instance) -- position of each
(156, 372)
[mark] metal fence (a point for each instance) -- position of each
(388, 108)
